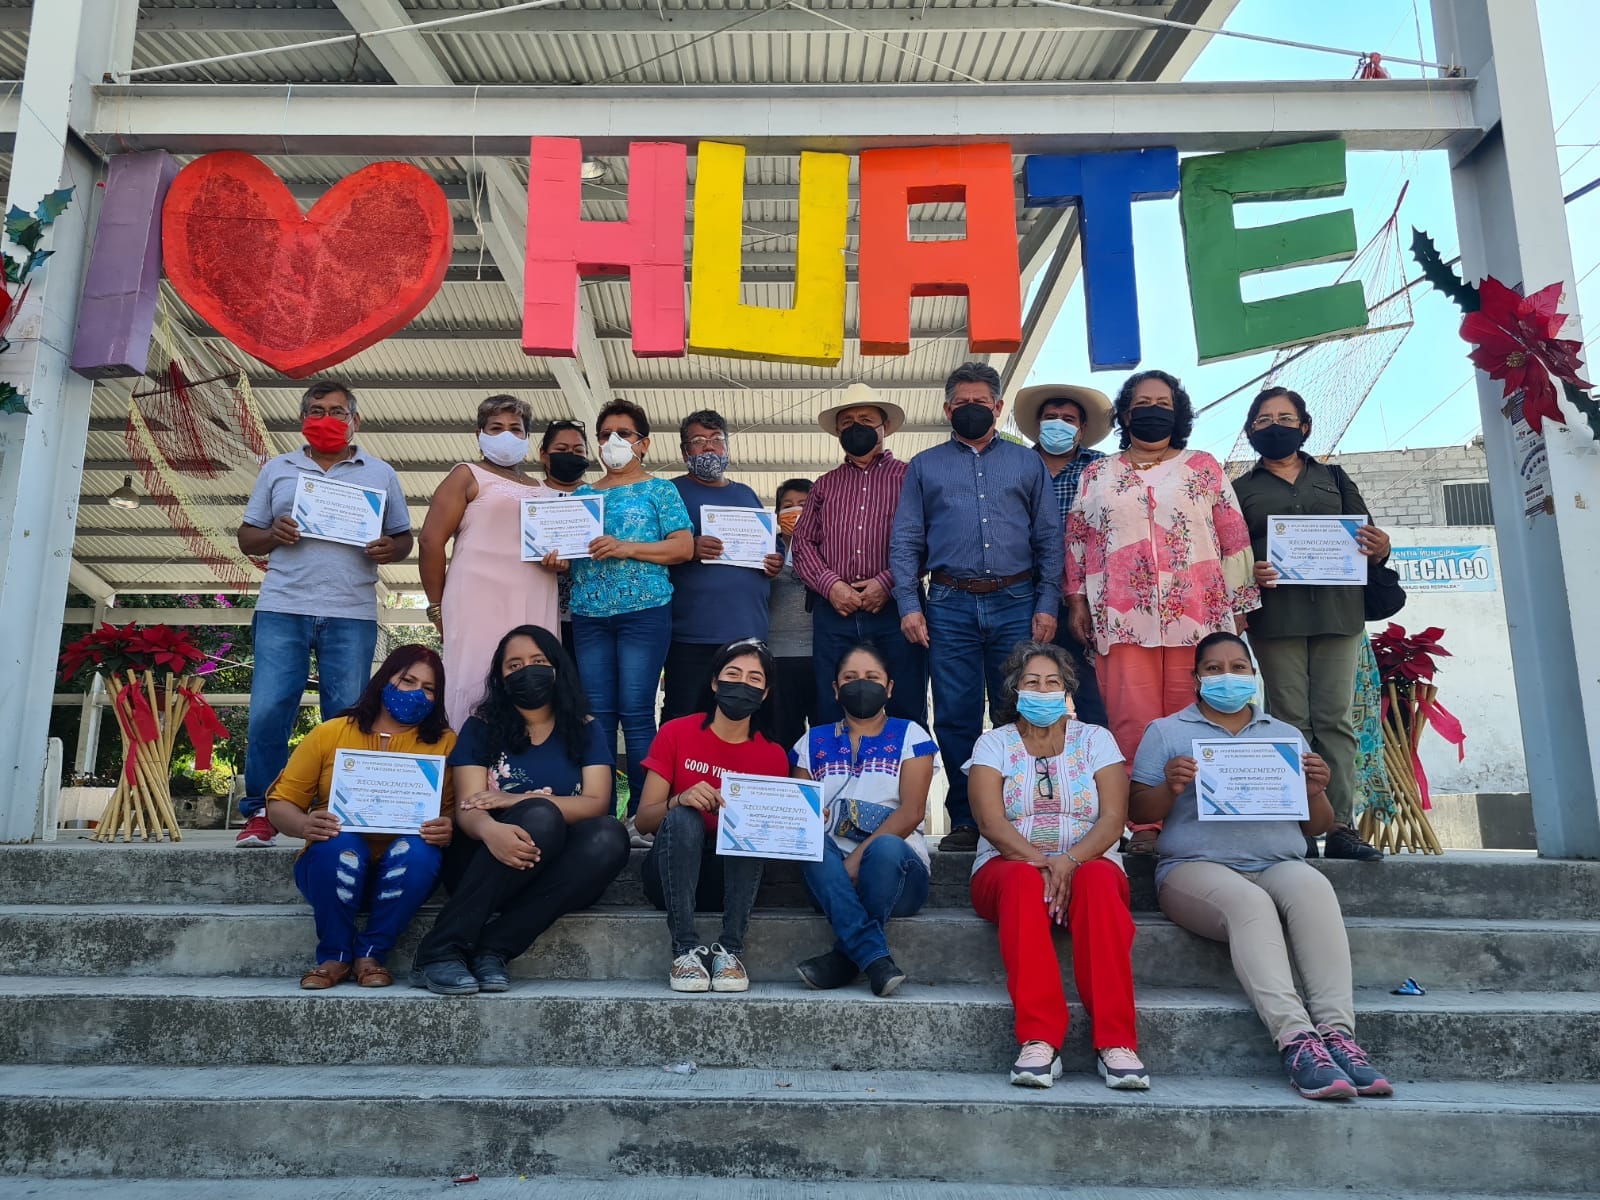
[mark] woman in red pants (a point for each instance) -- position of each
(1050, 796)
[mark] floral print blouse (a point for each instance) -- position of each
(1163, 555)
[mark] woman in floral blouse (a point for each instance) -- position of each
(1158, 556)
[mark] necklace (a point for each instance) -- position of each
(1145, 466)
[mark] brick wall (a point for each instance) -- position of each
(1406, 487)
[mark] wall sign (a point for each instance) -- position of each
(1444, 568)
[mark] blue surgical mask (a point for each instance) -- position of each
(1228, 693)
(1057, 436)
(408, 707)
(1041, 709)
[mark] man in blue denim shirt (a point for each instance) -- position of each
(978, 515)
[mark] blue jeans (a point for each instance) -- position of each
(283, 646)
(683, 874)
(620, 658)
(892, 882)
(832, 635)
(969, 639)
(339, 877)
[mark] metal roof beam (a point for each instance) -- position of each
(376, 426)
(90, 584)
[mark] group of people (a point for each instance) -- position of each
(951, 570)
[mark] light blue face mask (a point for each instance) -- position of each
(1041, 709)
(1228, 693)
(1057, 436)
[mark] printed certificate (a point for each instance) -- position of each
(1242, 780)
(380, 791)
(338, 512)
(566, 525)
(768, 816)
(748, 535)
(1320, 551)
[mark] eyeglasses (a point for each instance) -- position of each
(338, 414)
(1269, 422)
(1044, 786)
(697, 444)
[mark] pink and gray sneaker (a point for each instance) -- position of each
(1312, 1070)
(1353, 1061)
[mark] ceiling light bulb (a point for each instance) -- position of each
(592, 169)
(124, 496)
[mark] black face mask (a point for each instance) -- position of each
(863, 698)
(1152, 423)
(972, 421)
(738, 700)
(532, 686)
(858, 441)
(568, 468)
(1277, 441)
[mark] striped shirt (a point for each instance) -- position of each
(1065, 481)
(843, 532)
(975, 514)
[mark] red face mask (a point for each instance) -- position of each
(326, 435)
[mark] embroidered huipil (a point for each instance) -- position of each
(1163, 555)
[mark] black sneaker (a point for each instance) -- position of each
(1311, 847)
(828, 971)
(448, 978)
(884, 976)
(492, 973)
(1313, 1072)
(1344, 842)
(962, 837)
(1353, 1061)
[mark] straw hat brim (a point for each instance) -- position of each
(893, 415)
(1096, 406)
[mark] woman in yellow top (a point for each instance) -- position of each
(340, 872)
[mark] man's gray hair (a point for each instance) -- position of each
(973, 372)
(327, 387)
(1017, 664)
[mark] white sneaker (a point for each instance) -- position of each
(637, 840)
(1038, 1066)
(727, 972)
(689, 972)
(1122, 1070)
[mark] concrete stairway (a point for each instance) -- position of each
(151, 1028)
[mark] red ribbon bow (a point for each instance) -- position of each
(1447, 725)
(134, 709)
(202, 726)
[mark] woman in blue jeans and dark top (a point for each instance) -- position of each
(342, 872)
(533, 778)
(681, 803)
(875, 771)
(621, 595)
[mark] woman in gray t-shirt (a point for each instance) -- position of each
(1247, 883)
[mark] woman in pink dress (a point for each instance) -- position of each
(1158, 556)
(484, 588)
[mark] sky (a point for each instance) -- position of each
(1425, 397)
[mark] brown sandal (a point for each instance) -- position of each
(370, 973)
(324, 976)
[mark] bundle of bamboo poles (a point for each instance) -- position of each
(144, 806)
(1407, 828)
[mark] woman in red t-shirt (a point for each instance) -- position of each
(681, 799)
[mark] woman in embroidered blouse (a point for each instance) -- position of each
(875, 771)
(1158, 556)
(1050, 795)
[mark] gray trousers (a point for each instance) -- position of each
(1311, 684)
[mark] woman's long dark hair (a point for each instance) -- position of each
(364, 711)
(763, 719)
(508, 732)
(1182, 407)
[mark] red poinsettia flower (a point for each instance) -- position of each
(1516, 342)
(1408, 658)
(164, 646)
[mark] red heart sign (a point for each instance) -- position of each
(302, 291)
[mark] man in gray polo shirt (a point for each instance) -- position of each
(319, 596)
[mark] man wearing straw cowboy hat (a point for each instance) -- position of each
(841, 553)
(1063, 421)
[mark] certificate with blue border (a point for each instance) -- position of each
(337, 512)
(382, 791)
(1250, 780)
(1317, 551)
(565, 524)
(770, 816)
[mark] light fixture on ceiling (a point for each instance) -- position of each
(592, 168)
(124, 496)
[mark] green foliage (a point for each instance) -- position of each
(11, 400)
(53, 205)
(1442, 276)
(1586, 404)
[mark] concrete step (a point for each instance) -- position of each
(414, 1121)
(951, 1027)
(945, 945)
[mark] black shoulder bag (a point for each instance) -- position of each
(1383, 595)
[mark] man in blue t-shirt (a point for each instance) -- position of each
(712, 603)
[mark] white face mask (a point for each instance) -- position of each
(615, 452)
(504, 449)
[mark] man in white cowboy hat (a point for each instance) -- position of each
(841, 553)
(1064, 422)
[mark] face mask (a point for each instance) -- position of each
(738, 700)
(788, 519)
(1041, 709)
(1228, 693)
(568, 468)
(615, 452)
(972, 421)
(1057, 437)
(858, 441)
(1152, 423)
(407, 707)
(532, 686)
(710, 465)
(863, 698)
(325, 435)
(1277, 441)
(504, 449)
